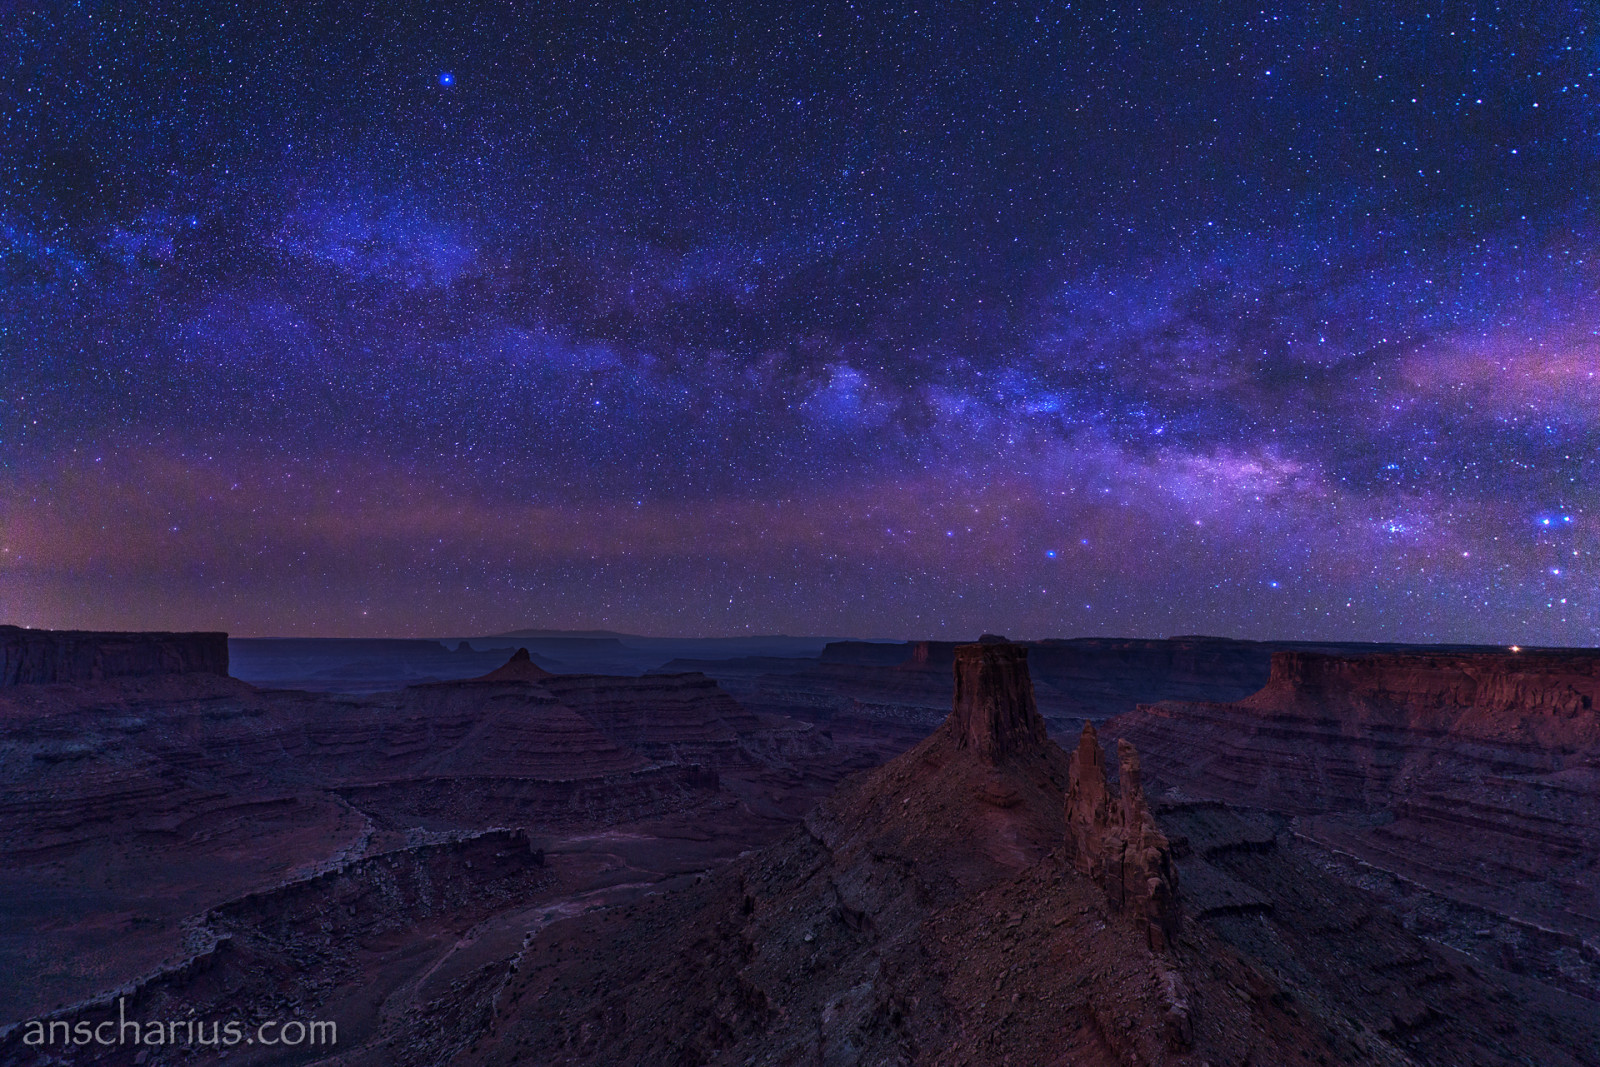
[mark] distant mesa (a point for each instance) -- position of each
(519, 668)
(47, 657)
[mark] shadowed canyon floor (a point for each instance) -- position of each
(1383, 859)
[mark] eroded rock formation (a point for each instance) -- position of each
(1112, 838)
(928, 915)
(519, 668)
(47, 657)
(884, 698)
(157, 797)
(1464, 787)
(927, 912)
(994, 712)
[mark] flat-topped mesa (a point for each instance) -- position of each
(1114, 840)
(1564, 681)
(519, 668)
(994, 713)
(46, 657)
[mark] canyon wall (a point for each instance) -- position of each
(1462, 788)
(664, 716)
(46, 657)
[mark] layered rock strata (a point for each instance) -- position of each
(929, 915)
(682, 717)
(52, 657)
(994, 713)
(1464, 788)
(132, 804)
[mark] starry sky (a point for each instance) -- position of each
(899, 320)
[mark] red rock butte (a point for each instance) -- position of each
(994, 713)
(1114, 840)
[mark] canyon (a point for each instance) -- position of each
(137, 802)
(985, 897)
(1292, 854)
(1463, 790)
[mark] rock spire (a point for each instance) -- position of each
(1112, 838)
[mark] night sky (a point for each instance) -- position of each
(902, 320)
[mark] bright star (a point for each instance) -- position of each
(447, 79)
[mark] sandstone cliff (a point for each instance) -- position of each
(929, 915)
(46, 657)
(994, 713)
(1464, 788)
(684, 717)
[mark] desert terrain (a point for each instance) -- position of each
(1179, 851)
